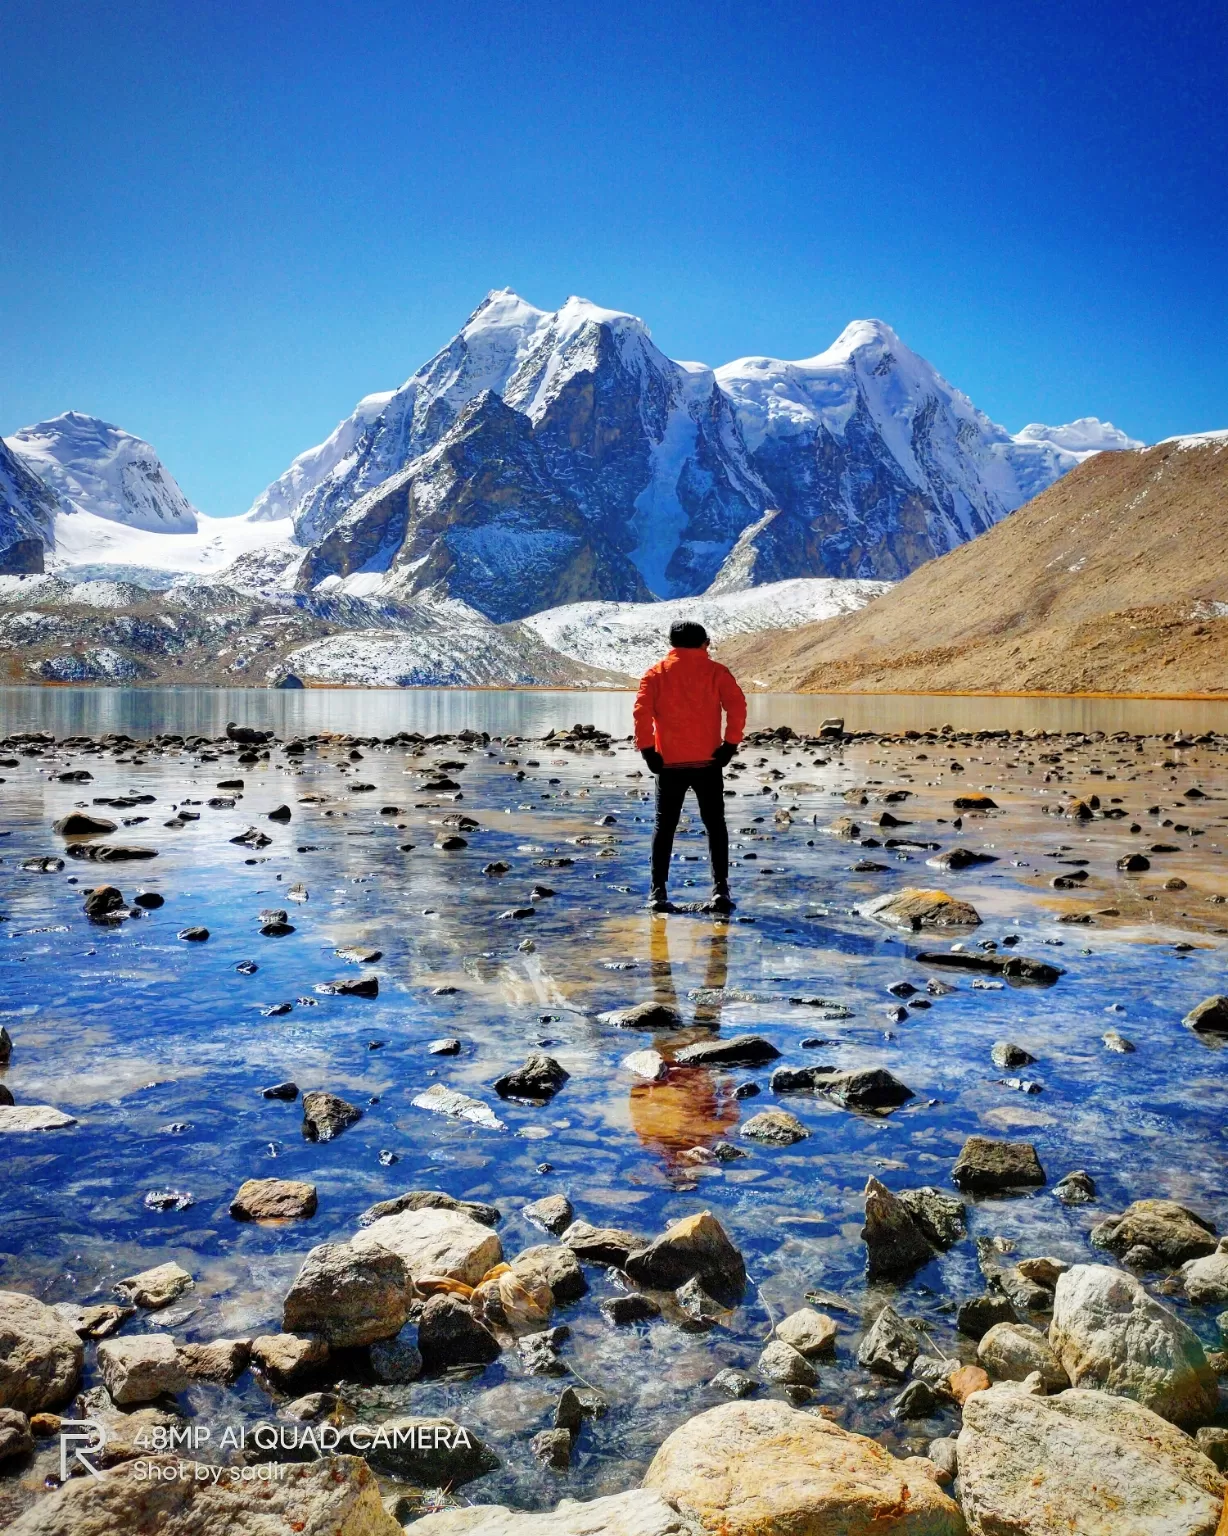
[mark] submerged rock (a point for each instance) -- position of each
(447, 1101)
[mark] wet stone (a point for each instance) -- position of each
(891, 1345)
(774, 1127)
(620, 1311)
(987, 1166)
(553, 1213)
(326, 1115)
(781, 1363)
(539, 1078)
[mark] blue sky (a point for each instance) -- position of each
(222, 224)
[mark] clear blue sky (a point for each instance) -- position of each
(221, 224)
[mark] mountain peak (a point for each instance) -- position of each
(861, 336)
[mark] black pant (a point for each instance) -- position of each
(709, 786)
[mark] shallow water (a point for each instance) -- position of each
(160, 1047)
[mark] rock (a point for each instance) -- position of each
(966, 1381)
(557, 1266)
(649, 1065)
(734, 1383)
(20, 1118)
(576, 1404)
(699, 1310)
(697, 1246)
(782, 1363)
(220, 1360)
(960, 858)
(540, 1077)
(1012, 1351)
(552, 1212)
(325, 1115)
(351, 986)
(974, 802)
(140, 1368)
(447, 1101)
(774, 1127)
(15, 1436)
(108, 853)
(1081, 1462)
(40, 1355)
(432, 1242)
(1115, 1041)
(195, 935)
(737, 1051)
(1209, 1018)
(155, 1288)
(918, 1400)
(430, 1199)
(96, 1322)
(1173, 1231)
(273, 1200)
(78, 824)
(636, 1513)
(601, 1245)
(621, 1311)
(288, 1357)
(914, 909)
(1213, 1443)
(890, 1347)
(1043, 1270)
(941, 1217)
(649, 1015)
(449, 1334)
(446, 1045)
(349, 1296)
(552, 1447)
(396, 1361)
(1134, 863)
(1206, 1279)
(766, 1469)
(809, 1332)
(287, 1092)
(1109, 1334)
(869, 1088)
(1005, 1054)
(539, 1352)
(895, 1244)
(334, 1496)
(1077, 1188)
(102, 901)
(979, 1314)
(987, 1167)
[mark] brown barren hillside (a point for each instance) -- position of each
(1112, 581)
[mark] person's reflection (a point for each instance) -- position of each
(691, 1106)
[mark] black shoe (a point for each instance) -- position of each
(720, 900)
(658, 901)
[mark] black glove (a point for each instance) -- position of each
(653, 758)
(724, 754)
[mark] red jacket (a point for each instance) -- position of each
(678, 708)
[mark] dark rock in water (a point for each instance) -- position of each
(247, 967)
(890, 1347)
(74, 776)
(1134, 863)
(1077, 1188)
(281, 813)
(278, 929)
(632, 1308)
(895, 1244)
(230, 783)
(540, 1077)
(734, 1383)
(287, 1091)
(102, 900)
(448, 1046)
(739, 1051)
(981, 1313)
(870, 1088)
(960, 858)
(430, 1452)
(1015, 967)
(359, 954)
(553, 1212)
(649, 1015)
(987, 1167)
(940, 1216)
(974, 802)
(1171, 1230)
(699, 1310)
(576, 1404)
(552, 1447)
(6, 1097)
(351, 986)
(78, 824)
(247, 735)
(108, 853)
(449, 1334)
(601, 1245)
(917, 1401)
(1006, 1054)
(696, 1247)
(451, 843)
(194, 935)
(326, 1115)
(1209, 1018)
(429, 1199)
(45, 866)
(149, 900)
(539, 1352)
(252, 838)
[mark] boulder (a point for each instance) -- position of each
(1173, 1231)
(809, 1332)
(40, 1355)
(737, 1051)
(78, 824)
(288, 1357)
(556, 1265)
(15, 1437)
(1081, 1464)
(979, 1314)
(396, 1361)
(429, 1452)
(440, 1243)
(1111, 1335)
(601, 1245)
(914, 909)
(636, 1513)
(350, 1296)
(631, 1307)
(140, 1368)
(986, 1167)
(695, 1247)
(273, 1200)
(890, 1347)
(1012, 1351)
(430, 1199)
(941, 1217)
(449, 1334)
(1206, 1279)
(780, 1362)
(335, 1496)
(221, 1360)
(775, 1128)
(895, 1244)
(648, 1065)
(766, 1469)
(1210, 1017)
(155, 1288)
(539, 1078)
(326, 1115)
(553, 1212)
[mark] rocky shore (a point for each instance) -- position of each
(961, 1328)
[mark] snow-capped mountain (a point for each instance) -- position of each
(106, 472)
(861, 462)
(27, 515)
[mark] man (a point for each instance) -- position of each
(679, 733)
